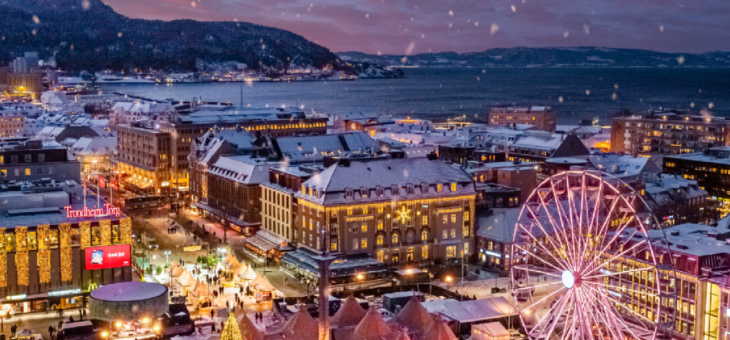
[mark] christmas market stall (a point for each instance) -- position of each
(200, 295)
(245, 274)
(263, 290)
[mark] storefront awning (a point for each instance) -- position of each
(261, 243)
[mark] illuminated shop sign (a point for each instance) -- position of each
(65, 292)
(16, 297)
(491, 253)
(108, 210)
(107, 257)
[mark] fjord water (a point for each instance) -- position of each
(441, 93)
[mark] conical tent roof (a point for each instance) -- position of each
(248, 328)
(349, 314)
(264, 285)
(255, 280)
(200, 289)
(301, 326)
(177, 271)
(414, 316)
(232, 263)
(230, 329)
(186, 280)
(372, 327)
(402, 335)
(440, 331)
(249, 274)
(227, 260)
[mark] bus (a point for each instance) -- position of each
(144, 202)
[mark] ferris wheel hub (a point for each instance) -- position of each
(568, 279)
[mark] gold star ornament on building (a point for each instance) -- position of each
(403, 215)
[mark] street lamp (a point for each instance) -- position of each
(167, 258)
(360, 277)
(448, 281)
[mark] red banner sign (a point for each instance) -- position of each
(107, 257)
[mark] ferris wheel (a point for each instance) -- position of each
(589, 262)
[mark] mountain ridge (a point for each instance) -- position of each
(582, 56)
(90, 35)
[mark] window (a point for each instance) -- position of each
(466, 216)
(364, 243)
(380, 225)
(333, 245)
(466, 248)
(364, 227)
(310, 224)
(41, 157)
(28, 158)
(355, 244)
(453, 233)
(445, 235)
(424, 220)
(395, 238)
(27, 171)
(380, 240)
(424, 252)
(95, 236)
(453, 186)
(39, 171)
(445, 218)
(439, 187)
(424, 235)
(3, 173)
(453, 218)
(450, 251)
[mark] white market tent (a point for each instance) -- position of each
(247, 273)
(472, 310)
(489, 331)
(186, 280)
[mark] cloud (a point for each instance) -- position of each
(389, 25)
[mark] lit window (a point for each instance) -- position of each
(451, 251)
(364, 243)
(424, 235)
(453, 218)
(453, 186)
(395, 238)
(424, 220)
(424, 252)
(355, 244)
(380, 225)
(380, 240)
(364, 227)
(27, 171)
(439, 187)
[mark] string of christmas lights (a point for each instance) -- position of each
(66, 255)
(44, 254)
(106, 232)
(85, 228)
(3, 260)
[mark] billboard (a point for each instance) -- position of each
(107, 257)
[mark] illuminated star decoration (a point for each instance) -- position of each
(403, 215)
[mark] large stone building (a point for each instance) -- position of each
(667, 132)
(710, 168)
(155, 153)
(540, 117)
(29, 160)
(399, 211)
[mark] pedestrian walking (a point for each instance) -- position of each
(212, 312)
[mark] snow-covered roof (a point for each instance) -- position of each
(356, 181)
(307, 148)
(620, 165)
(242, 169)
(500, 226)
(539, 141)
(94, 146)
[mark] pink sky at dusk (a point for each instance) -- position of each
(391, 26)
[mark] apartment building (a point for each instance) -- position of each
(279, 203)
(12, 124)
(540, 117)
(29, 160)
(395, 210)
(667, 132)
(157, 151)
(710, 168)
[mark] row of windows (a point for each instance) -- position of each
(26, 172)
(27, 157)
